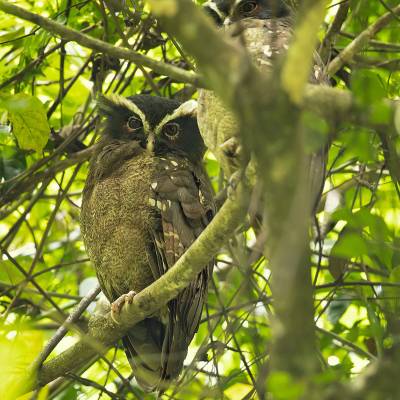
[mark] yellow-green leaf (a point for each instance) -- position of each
(238, 391)
(18, 349)
(28, 118)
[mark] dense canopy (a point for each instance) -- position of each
(297, 307)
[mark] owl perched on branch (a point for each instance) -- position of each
(264, 27)
(146, 199)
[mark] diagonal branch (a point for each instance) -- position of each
(333, 31)
(61, 332)
(275, 137)
(361, 41)
(69, 34)
(103, 331)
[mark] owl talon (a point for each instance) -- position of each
(233, 183)
(117, 305)
(232, 150)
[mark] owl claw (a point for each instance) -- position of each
(232, 150)
(233, 183)
(117, 305)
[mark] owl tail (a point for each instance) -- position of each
(156, 353)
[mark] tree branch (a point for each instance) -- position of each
(69, 34)
(63, 329)
(334, 29)
(103, 331)
(275, 137)
(231, 74)
(360, 41)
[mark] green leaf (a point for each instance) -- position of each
(381, 113)
(359, 143)
(19, 346)
(377, 329)
(338, 307)
(238, 391)
(29, 121)
(13, 35)
(70, 393)
(12, 162)
(350, 245)
(367, 87)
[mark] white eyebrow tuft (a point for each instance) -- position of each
(188, 108)
(131, 106)
(212, 6)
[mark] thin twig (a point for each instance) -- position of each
(69, 34)
(361, 41)
(63, 329)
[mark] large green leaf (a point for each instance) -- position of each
(29, 122)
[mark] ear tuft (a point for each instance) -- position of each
(214, 12)
(108, 105)
(188, 108)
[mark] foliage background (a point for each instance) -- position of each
(47, 91)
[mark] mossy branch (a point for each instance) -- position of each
(358, 44)
(103, 331)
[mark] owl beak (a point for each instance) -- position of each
(150, 142)
(227, 21)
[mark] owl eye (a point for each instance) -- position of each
(248, 7)
(134, 123)
(171, 130)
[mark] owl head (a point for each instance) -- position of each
(230, 11)
(161, 125)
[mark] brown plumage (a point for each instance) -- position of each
(264, 28)
(146, 199)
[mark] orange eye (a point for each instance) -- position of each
(171, 130)
(248, 7)
(134, 123)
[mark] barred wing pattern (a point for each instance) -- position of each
(182, 199)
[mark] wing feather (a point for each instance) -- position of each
(182, 202)
(184, 205)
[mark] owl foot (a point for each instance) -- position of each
(233, 183)
(233, 150)
(117, 305)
